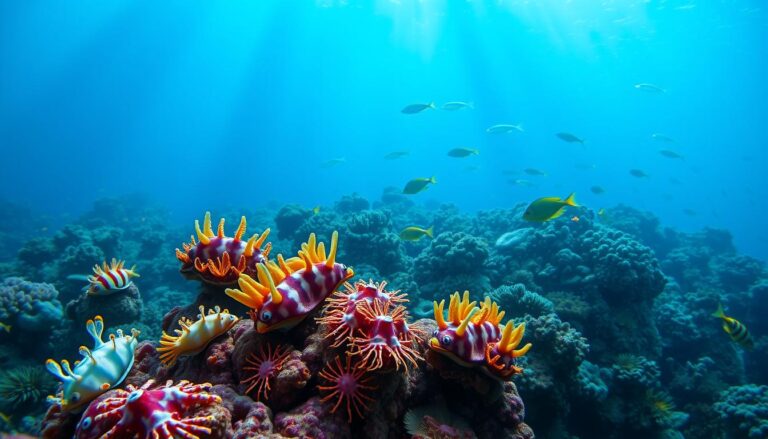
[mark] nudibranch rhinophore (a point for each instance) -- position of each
(287, 291)
(107, 279)
(100, 369)
(193, 337)
(146, 412)
(472, 336)
(219, 259)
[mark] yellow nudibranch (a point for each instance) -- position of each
(473, 336)
(193, 337)
(100, 369)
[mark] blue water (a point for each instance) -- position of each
(240, 103)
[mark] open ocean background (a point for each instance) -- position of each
(241, 102)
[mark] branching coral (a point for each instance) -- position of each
(518, 301)
(29, 306)
(744, 410)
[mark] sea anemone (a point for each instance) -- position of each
(347, 384)
(264, 367)
(25, 385)
(628, 362)
(661, 406)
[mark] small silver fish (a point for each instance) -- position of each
(662, 138)
(650, 88)
(396, 155)
(458, 105)
(333, 162)
(534, 171)
(668, 153)
(417, 108)
(570, 138)
(505, 128)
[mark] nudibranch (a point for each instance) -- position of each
(218, 259)
(373, 323)
(193, 337)
(147, 412)
(107, 279)
(472, 336)
(100, 369)
(287, 291)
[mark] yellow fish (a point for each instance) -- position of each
(734, 328)
(547, 208)
(414, 233)
(417, 185)
(6, 327)
(315, 210)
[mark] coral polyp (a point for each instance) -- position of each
(473, 336)
(218, 259)
(159, 413)
(347, 385)
(264, 366)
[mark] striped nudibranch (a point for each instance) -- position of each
(107, 279)
(193, 337)
(287, 291)
(472, 336)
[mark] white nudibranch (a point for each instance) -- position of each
(100, 369)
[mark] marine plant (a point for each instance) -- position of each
(25, 385)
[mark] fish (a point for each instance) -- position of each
(521, 182)
(396, 155)
(570, 138)
(585, 166)
(505, 128)
(639, 173)
(597, 190)
(418, 184)
(575, 218)
(601, 212)
(668, 153)
(315, 210)
(548, 208)
(462, 152)
(472, 168)
(414, 233)
(417, 108)
(650, 88)
(458, 105)
(734, 328)
(5, 327)
(534, 171)
(662, 138)
(333, 162)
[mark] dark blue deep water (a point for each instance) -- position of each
(121, 122)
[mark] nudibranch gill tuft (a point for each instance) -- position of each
(472, 336)
(99, 370)
(193, 337)
(107, 279)
(219, 260)
(287, 291)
